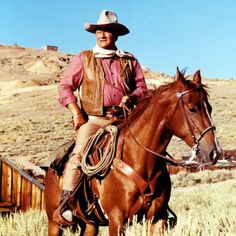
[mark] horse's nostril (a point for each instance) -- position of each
(214, 155)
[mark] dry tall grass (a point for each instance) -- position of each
(204, 208)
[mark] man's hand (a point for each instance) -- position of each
(128, 100)
(124, 100)
(78, 120)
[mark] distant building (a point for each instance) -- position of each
(50, 48)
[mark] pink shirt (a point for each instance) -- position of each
(113, 92)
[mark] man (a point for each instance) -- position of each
(105, 77)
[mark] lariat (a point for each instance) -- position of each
(106, 156)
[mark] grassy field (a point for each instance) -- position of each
(204, 202)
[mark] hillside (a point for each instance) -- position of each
(33, 123)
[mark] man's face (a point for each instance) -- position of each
(106, 39)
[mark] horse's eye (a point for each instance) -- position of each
(193, 109)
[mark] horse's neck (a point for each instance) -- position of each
(149, 130)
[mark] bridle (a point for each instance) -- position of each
(190, 123)
(196, 141)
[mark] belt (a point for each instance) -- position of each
(110, 112)
(99, 118)
(111, 109)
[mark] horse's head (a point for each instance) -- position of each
(191, 118)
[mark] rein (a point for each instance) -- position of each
(196, 141)
(169, 159)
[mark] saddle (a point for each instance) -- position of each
(60, 156)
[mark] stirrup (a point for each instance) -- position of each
(67, 215)
(60, 217)
(63, 214)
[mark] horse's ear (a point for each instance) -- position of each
(177, 73)
(197, 77)
(179, 76)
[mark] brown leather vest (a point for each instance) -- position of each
(94, 79)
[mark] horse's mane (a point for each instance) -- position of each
(151, 96)
(147, 99)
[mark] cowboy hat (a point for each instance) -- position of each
(107, 20)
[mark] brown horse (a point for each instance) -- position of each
(139, 183)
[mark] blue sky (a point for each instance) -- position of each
(164, 34)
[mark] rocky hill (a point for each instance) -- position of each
(32, 122)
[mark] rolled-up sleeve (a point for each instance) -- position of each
(141, 86)
(71, 81)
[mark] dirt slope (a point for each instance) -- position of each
(32, 122)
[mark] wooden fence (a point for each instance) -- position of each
(19, 190)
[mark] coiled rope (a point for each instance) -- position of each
(106, 157)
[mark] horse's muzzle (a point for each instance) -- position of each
(209, 156)
(214, 156)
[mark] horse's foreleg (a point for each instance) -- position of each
(88, 230)
(158, 228)
(54, 229)
(116, 225)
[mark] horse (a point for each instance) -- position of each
(138, 182)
